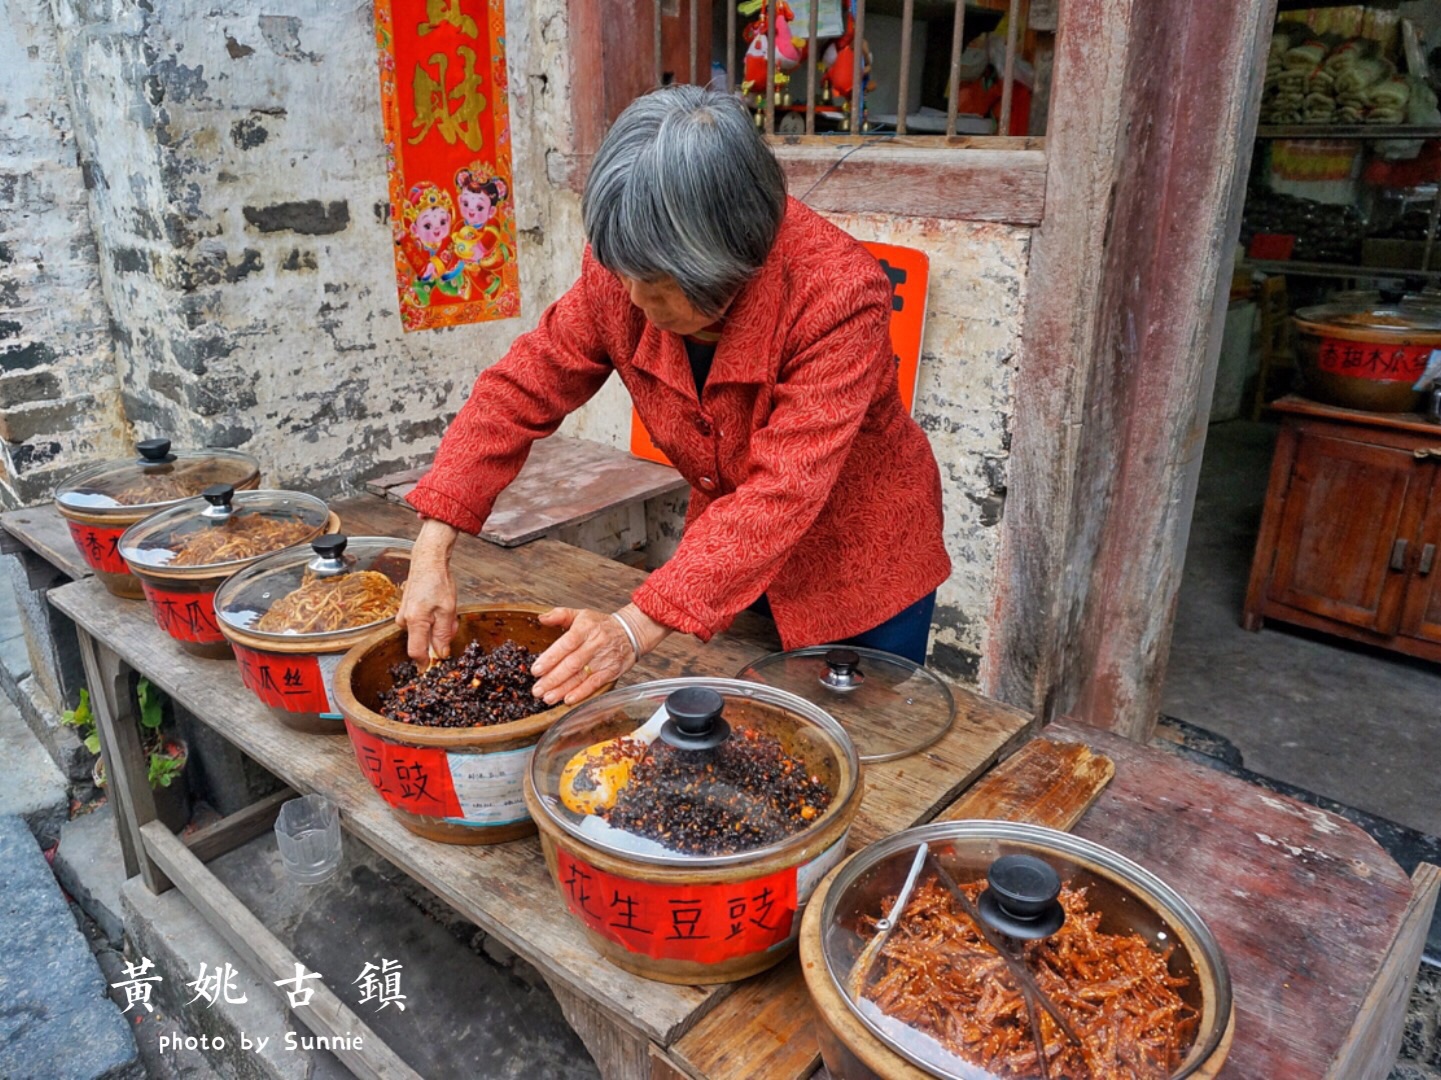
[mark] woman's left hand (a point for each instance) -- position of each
(593, 651)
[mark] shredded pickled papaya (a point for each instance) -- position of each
(938, 975)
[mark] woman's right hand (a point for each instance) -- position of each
(427, 609)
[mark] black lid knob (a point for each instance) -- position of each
(331, 546)
(842, 661)
(219, 494)
(695, 721)
(1021, 900)
(155, 451)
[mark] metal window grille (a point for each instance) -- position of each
(855, 122)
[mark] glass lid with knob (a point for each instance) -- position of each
(888, 705)
(154, 477)
(336, 585)
(222, 528)
(694, 772)
(975, 949)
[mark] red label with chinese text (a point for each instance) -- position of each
(411, 778)
(185, 616)
(99, 547)
(708, 924)
(1381, 363)
(294, 683)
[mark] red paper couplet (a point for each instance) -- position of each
(294, 683)
(411, 778)
(705, 923)
(185, 616)
(99, 547)
(1380, 363)
(443, 98)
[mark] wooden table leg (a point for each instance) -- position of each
(126, 768)
(619, 1053)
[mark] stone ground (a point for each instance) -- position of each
(1356, 726)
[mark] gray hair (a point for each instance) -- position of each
(685, 187)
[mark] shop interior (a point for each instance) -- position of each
(1322, 678)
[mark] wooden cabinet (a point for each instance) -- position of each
(1352, 528)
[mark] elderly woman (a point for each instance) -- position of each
(753, 337)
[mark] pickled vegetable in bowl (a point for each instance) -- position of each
(982, 950)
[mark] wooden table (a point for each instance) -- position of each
(504, 889)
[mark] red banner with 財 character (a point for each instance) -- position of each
(447, 141)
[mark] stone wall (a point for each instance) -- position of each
(238, 192)
(59, 397)
(237, 189)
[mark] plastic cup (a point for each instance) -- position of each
(308, 833)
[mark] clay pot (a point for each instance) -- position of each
(452, 785)
(1363, 356)
(95, 502)
(839, 923)
(182, 598)
(292, 673)
(683, 918)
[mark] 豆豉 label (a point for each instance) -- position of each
(470, 788)
(707, 924)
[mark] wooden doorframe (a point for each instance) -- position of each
(1153, 116)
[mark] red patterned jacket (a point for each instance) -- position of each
(810, 482)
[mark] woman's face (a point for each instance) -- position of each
(665, 305)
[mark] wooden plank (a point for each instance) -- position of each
(1305, 905)
(618, 1052)
(1411, 423)
(972, 185)
(43, 531)
(565, 482)
(767, 1027)
(325, 1014)
(1153, 108)
(382, 484)
(1043, 783)
(506, 888)
(1374, 1040)
(127, 774)
(235, 829)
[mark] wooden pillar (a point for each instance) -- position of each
(1153, 113)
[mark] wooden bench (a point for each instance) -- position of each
(1321, 930)
(580, 493)
(505, 889)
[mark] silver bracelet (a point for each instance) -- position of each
(629, 633)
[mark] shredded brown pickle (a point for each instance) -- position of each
(323, 604)
(244, 536)
(155, 489)
(938, 975)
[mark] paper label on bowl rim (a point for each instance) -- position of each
(1379, 363)
(185, 616)
(468, 788)
(295, 682)
(99, 546)
(704, 923)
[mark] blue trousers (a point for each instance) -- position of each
(903, 634)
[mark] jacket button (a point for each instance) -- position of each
(702, 425)
(706, 483)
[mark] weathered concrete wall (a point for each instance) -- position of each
(59, 399)
(238, 190)
(239, 194)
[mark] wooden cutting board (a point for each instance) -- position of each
(767, 1026)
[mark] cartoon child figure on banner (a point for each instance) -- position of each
(426, 243)
(480, 244)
